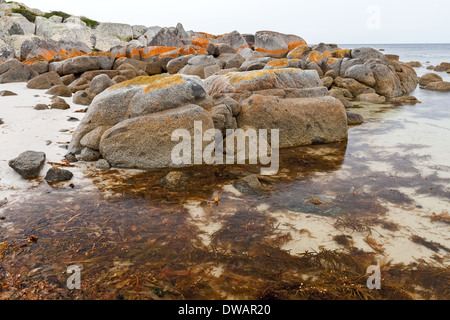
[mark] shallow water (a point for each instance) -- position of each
(331, 212)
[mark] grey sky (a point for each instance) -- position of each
(348, 21)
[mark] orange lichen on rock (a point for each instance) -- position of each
(315, 56)
(200, 42)
(159, 82)
(75, 53)
(326, 55)
(279, 63)
(133, 52)
(119, 52)
(299, 51)
(47, 54)
(340, 53)
(294, 44)
(332, 61)
(200, 50)
(34, 61)
(100, 54)
(205, 35)
(148, 83)
(272, 52)
(184, 51)
(149, 52)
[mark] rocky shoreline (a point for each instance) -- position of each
(133, 76)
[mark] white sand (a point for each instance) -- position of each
(27, 129)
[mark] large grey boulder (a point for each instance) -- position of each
(235, 40)
(45, 81)
(238, 82)
(6, 51)
(75, 65)
(56, 31)
(123, 32)
(151, 33)
(146, 142)
(16, 25)
(361, 73)
(138, 31)
(165, 38)
(367, 53)
(104, 42)
(35, 47)
(28, 164)
(175, 65)
(137, 98)
(196, 65)
(100, 83)
(301, 122)
(16, 71)
(275, 44)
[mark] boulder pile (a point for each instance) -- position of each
(141, 83)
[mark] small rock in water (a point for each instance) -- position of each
(175, 181)
(354, 119)
(48, 142)
(28, 164)
(1, 121)
(249, 185)
(71, 158)
(58, 175)
(406, 100)
(102, 164)
(89, 155)
(41, 106)
(73, 119)
(64, 130)
(7, 93)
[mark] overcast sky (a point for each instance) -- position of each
(344, 22)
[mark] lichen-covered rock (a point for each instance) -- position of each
(300, 121)
(146, 142)
(276, 45)
(236, 82)
(301, 52)
(140, 97)
(38, 64)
